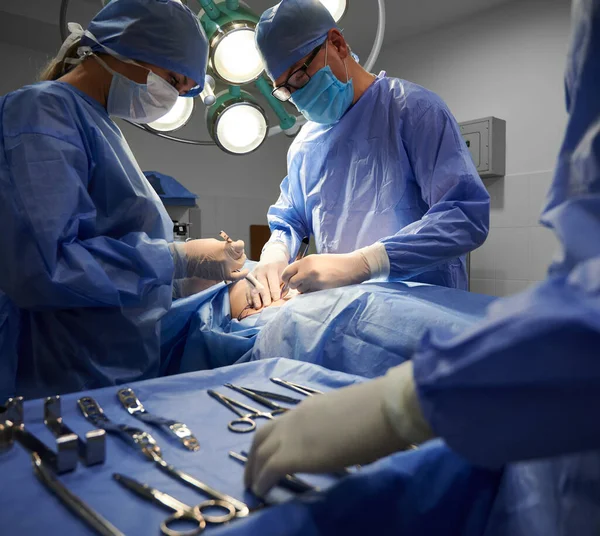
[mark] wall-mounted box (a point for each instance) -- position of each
(486, 140)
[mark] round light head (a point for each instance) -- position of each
(235, 57)
(175, 118)
(337, 8)
(239, 127)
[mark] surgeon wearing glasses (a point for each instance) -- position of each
(379, 176)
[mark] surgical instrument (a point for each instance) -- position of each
(6, 433)
(183, 512)
(250, 278)
(241, 508)
(274, 396)
(305, 244)
(246, 423)
(92, 451)
(66, 456)
(306, 391)
(290, 482)
(175, 429)
(139, 439)
(134, 436)
(71, 501)
(276, 409)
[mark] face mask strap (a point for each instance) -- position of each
(345, 62)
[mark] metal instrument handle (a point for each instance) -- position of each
(256, 397)
(177, 517)
(232, 404)
(71, 501)
(62, 461)
(306, 391)
(134, 436)
(176, 429)
(92, 451)
(242, 508)
(197, 515)
(275, 396)
(244, 425)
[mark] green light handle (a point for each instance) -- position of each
(232, 4)
(235, 91)
(286, 121)
(211, 9)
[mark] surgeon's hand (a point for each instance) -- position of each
(325, 433)
(214, 260)
(273, 261)
(319, 272)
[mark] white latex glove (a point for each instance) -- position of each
(273, 261)
(319, 272)
(209, 259)
(351, 426)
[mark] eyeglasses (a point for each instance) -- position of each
(297, 80)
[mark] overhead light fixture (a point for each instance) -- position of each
(235, 57)
(236, 123)
(231, 28)
(337, 8)
(175, 118)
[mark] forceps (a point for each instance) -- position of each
(247, 421)
(71, 501)
(306, 391)
(183, 512)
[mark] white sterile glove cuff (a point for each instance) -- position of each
(275, 252)
(377, 259)
(402, 406)
(326, 433)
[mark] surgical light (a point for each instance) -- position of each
(176, 118)
(236, 58)
(337, 8)
(237, 124)
(230, 27)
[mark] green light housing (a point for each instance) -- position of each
(236, 122)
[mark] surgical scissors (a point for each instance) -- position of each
(247, 421)
(183, 512)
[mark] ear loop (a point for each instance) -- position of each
(345, 64)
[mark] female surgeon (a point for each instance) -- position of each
(88, 260)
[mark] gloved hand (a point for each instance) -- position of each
(319, 272)
(209, 259)
(325, 433)
(273, 261)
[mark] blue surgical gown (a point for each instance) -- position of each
(396, 170)
(525, 383)
(86, 272)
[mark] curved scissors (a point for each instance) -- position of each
(183, 512)
(247, 421)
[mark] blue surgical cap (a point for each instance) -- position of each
(291, 30)
(164, 33)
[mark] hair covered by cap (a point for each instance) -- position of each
(289, 31)
(164, 33)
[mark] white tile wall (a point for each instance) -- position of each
(518, 250)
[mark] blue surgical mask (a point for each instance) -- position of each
(325, 99)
